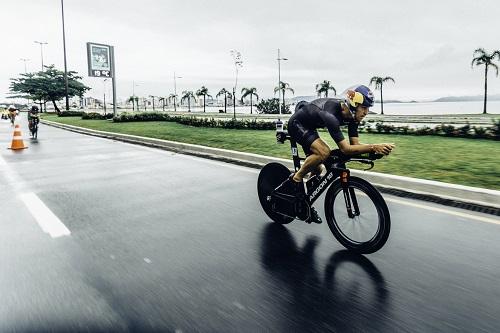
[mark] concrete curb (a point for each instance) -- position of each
(466, 197)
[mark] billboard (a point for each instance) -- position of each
(99, 60)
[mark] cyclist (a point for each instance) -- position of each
(331, 113)
(12, 113)
(33, 117)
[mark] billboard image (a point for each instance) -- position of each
(99, 60)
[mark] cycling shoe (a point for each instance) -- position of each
(314, 217)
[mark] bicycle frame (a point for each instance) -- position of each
(335, 168)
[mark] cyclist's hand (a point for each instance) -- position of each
(383, 148)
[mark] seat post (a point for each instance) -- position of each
(295, 155)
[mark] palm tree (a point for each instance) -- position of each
(227, 95)
(131, 99)
(323, 87)
(187, 95)
(379, 83)
(481, 57)
(249, 91)
(283, 87)
(162, 100)
(153, 97)
(173, 97)
(203, 91)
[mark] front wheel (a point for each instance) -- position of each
(368, 230)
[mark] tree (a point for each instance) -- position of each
(379, 83)
(173, 98)
(153, 97)
(227, 95)
(323, 87)
(162, 100)
(249, 92)
(133, 100)
(481, 57)
(283, 87)
(187, 95)
(47, 85)
(203, 91)
(270, 106)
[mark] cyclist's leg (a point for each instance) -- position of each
(319, 152)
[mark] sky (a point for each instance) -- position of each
(427, 47)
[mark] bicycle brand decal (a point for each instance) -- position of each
(294, 151)
(320, 187)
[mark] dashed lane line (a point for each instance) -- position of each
(47, 220)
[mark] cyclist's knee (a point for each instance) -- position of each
(322, 151)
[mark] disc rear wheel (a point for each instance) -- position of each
(272, 175)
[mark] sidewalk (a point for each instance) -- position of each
(465, 197)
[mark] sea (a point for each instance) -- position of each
(418, 108)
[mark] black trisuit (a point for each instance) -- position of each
(320, 113)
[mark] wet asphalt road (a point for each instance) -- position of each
(166, 242)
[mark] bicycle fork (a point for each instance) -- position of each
(351, 203)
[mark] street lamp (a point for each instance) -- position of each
(175, 90)
(238, 63)
(279, 80)
(25, 60)
(41, 53)
(41, 49)
(104, 99)
(65, 64)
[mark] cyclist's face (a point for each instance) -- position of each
(361, 112)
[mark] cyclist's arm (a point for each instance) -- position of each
(357, 148)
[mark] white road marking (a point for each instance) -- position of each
(47, 220)
(445, 211)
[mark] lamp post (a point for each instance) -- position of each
(104, 84)
(238, 63)
(41, 49)
(279, 81)
(25, 60)
(25, 71)
(41, 53)
(65, 64)
(175, 90)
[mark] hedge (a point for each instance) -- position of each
(466, 131)
(96, 116)
(70, 114)
(196, 122)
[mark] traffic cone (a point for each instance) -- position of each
(17, 140)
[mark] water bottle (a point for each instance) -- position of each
(279, 126)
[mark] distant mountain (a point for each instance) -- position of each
(297, 99)
(467, 98)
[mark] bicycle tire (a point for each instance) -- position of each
(377, 241)
(272, 175)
